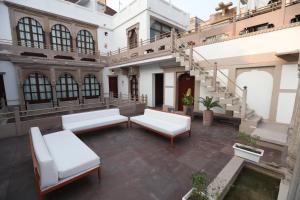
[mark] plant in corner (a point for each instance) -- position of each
(188, 102)
(208, 114)
(200, 183)
(247, 147)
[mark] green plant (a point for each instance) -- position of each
(200, 183)
(209, 103)
(247, 139)
(188, 99)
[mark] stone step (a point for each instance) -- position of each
(254, 120)
(236, 108)
(231, 100)
(250, 113)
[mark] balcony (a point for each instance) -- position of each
(14, 49)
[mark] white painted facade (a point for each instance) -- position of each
(140, 13)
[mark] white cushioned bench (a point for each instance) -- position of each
(60, 158)
(82, 122)
(164, 123)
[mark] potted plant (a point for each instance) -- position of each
(199, 190)
(208, 114)
(188, 102)
(247, 147)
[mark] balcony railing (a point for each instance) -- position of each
(144, 49)
(42, 50)
(259, 11)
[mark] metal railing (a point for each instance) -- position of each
(182, 46)
(42, 48)
(108, 100)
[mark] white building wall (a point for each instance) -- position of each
(147, 82)
(169, 89)
(10, 82)
(5, 33)
(287, 94)
(163, 10)
(259, 90)
(257, 44)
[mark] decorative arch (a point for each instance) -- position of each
(90, 87)
(259, 98)
(37, 88)
(61, 39)
(85, 42)
(30, 33)
(66, 87)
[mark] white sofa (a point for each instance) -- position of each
(87, 121)
(164, 123)
(60, 158)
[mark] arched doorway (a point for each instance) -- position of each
(132, 39)
(185, 81)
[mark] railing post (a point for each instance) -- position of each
(215, 76)
(172, 41)
(244, 103)
(17, 120)
(191, 57)
(120, 98)
(119, 50)
(146, 100)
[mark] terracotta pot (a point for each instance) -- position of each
(208, 117)
(188, 110)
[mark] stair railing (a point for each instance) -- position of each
(182, 45)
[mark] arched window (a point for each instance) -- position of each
(61, 39)
(296, 19)
(37, 89)
(91, 87)
(66, 88)
(30, 33)
(85, 42)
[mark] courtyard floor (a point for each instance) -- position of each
(136, 164)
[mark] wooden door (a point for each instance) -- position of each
(2, 92)
(159, 90)
(185, 81)
(113, 85)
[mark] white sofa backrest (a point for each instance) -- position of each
(89, 115)
(169, 117)
(47, 168)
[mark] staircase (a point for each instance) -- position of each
(234, 101)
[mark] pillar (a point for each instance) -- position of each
(293, 159)
(53, 85)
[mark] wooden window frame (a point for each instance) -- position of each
(85, 47)
(29, 35)
(37, 84)
(69, 88)
(59, 35)
(89, 89)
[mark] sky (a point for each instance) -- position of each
(200, 8)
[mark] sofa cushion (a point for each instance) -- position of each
(47, 168)
(70, 154)
(78, 117)
(169, 117)
(94, 123)
(159, 125)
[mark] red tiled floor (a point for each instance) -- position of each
(137, 164)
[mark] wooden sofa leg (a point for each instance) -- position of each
(172, 141)
(190, 133)
(40, 196)
(99, 174)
